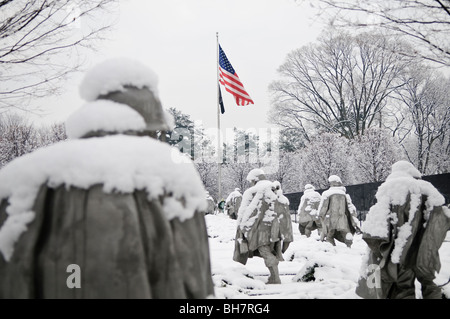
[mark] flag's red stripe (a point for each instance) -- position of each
(236, 89)
(232, 77)
(233, 91)
(226, 80)
(237, 85)
(239, 98)
(233, 84)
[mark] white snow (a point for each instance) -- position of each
(336, 274)
(113, 75)
(334, 178)
(334, 190)
(311, 196)
(121, 163)
(404, 168)
(404, 231)
(394, 191)
(234, 194)
(340, 190)
(446, 211)
(253, 174)
(350, 205)
(251, 202)
(279, 192)
(103, 115)
(208, 196)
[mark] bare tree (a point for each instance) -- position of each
(208, 172)
(52, 134)
(425, 23)
(327, 154)
(339, 85)
(235, 175)
(441, 155)
(287, 172)
(17, 137)
(426, 105)
(40, 43)
(373, 155)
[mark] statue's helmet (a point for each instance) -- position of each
(256, 175)
(127, 82)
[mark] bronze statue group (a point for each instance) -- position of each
(403, 230)
(129, 209)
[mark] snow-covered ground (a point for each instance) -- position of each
(335, 277)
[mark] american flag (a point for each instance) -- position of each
(230, 80)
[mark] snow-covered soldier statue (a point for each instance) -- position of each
(404, 231)
(233, 202)
(264, 224)
(110, 211)
(308, 214)
(338, 214)
(211, 204)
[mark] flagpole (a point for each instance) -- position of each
(219, 153)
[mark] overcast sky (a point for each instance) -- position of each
(177, 39)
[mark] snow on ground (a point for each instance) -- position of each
(335, 277)
(114, 75)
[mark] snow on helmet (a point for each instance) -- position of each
(256, 175)
(334, 179)
(127, 82)
(404, 168)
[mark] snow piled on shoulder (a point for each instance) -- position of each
(334, 178)
(103, 115)
(394, 191)
(121, 163)
(113, 75)
(234, 194)
(251, 204)
(337, 190)
(279, 192)
(254, 174)
(341, 190)
(311, 197)
(446, 211)
(405, 230)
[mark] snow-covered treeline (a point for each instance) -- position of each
(367, 158)
(348, 84)
(18, 137)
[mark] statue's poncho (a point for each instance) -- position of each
(308, 207)
(263, 219)
(338, 212)
(128, 210)
(233, 203)
(406, 227)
